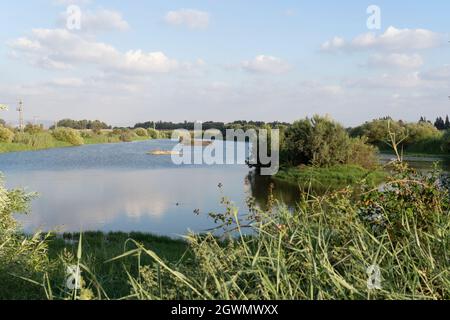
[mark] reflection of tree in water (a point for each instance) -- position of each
(261, 188)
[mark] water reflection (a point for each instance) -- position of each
(157, 201)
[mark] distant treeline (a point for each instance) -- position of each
(241, 124)
(82, 124)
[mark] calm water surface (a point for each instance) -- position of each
(118, 187)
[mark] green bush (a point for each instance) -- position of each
(446, 142)
(153, 134)
(127, 136)
(377, 131)
(68, 135)
(6, 135)
(141, 132)
(323, 142)
(21, 258)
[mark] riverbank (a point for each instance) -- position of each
(330, 178)
(45, 141)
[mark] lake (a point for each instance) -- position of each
(119, 187)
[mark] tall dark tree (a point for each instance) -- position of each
(447, 123)
(440, 124)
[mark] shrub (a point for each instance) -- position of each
(322, 142)
(33, 129)
(141, 132)
(362, 154)
(421, 131)
(127, 135)
(21, 257)
(85, 134)
(446, 142)
(68, 135)
(153, 134)
(6, 135)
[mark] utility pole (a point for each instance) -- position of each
(20, 110)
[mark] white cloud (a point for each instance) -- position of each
(396, 60)
(334, 44)
(392, 39)
(101, 20)
(61, 49)
(193, 19)
(266, 64)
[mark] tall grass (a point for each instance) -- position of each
(323, 250)
(330, 178)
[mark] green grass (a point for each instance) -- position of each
(329, 178)
(98, 248)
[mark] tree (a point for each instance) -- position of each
(322, 142)
(439, 123)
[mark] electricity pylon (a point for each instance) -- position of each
(20, 110)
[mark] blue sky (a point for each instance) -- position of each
(225, 60)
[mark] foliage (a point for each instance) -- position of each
(6, 135)
(446, 141)
(322, 142)
(125, 135)
(21, 257)
(83, 124)
(141, 132)
(35, 141)
(421, 137)
(153, 134)
(68, 135)
(377, 131)
(331, 178)
(33, 129)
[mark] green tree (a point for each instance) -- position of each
(318, 141)
(6, 135)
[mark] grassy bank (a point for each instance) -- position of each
(46, 140)
(333, 178)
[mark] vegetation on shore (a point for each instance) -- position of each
(37, 138)
(415, 138)
(330, 178)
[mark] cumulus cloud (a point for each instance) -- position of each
(392, 39)
(193, 19)
(396, 60)
(61, 49)
(266, 64)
